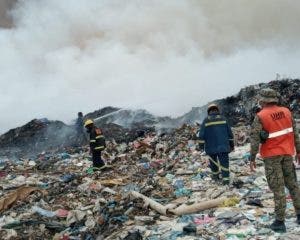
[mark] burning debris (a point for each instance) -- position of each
(154, 185)
(37, 136)
(124, 125)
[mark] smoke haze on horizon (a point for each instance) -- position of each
(61, 57)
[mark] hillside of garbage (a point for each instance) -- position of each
(241, 107)
(124, 125)
(156, 187)
(43, 135)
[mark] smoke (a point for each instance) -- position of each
(61, 57)
(5, 18)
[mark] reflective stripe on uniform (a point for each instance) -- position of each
(100, 136)
(92, 141)
(99, 148)
(201, 141)
(224, 168)
(219, 165)
(215, 123)
(281, 132)
(214, 162)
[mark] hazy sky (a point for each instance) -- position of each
(60, 57)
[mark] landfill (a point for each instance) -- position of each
(62, 58)
(122, 125)
(155, 187)
(156, 183)
(240, 109)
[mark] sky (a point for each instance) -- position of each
(60, 57)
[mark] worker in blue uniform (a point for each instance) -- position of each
(216, 139)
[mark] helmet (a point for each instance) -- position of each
(212, 106)
(269, 95)
(88, 122)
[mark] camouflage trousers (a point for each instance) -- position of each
(280, 173)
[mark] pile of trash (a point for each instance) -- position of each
(155, 187)
(240, 108)
(37, 136)
(126, 118)
(124, 125)
(43, 135)
(241, 135)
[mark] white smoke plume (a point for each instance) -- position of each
(60, 57)
(5, 18)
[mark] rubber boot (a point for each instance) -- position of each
(216, 178)
(278, 226)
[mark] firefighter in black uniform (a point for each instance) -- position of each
(97, 142)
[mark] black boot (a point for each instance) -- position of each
(215, 177)
(278, 226)
(298, 219)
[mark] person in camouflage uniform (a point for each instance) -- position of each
(279, 169)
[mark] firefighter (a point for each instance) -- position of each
(216, 139)
(80, 135)
(274, 135)
(97, 142)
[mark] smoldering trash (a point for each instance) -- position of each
(155, 185)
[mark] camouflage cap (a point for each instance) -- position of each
(268, 95)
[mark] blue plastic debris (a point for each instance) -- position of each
(68, 178)
(181, 192)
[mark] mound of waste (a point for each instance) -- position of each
(42, 135)
(123, 117)
(124, 125)
(155, 187)
(240, 109)
(36, 136)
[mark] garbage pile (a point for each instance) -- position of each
(36, 136)
(241, 135)
(240, 109)
(126, 118)
(155, 187)
(42, 135)
(125, 125)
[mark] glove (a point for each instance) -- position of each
(263, 135)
